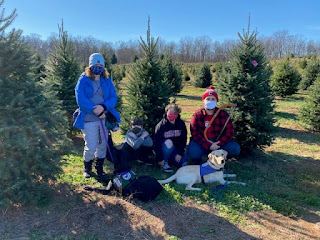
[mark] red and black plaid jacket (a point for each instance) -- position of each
(197, 127)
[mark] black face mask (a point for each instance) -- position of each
(136, 130)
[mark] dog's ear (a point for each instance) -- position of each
(210, 156)
(225, 153)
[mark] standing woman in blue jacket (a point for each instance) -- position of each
(95, 95)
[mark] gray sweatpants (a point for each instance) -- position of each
(95, 143)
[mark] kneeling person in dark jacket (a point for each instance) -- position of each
(137, 142)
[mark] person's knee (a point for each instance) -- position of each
(237, 150)
(193, 153)
(90, 147)
(234, 150)
(190, 153)
(168, 143)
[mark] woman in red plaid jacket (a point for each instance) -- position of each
(199, 145)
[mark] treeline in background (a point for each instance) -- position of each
(187, 49)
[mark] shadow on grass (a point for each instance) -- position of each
(193, 222)
(78, 144)
(286, 184)
(195, 98)
(77, 214)
(285, 115)
(301, 97)
(302, 136)
(289, 184)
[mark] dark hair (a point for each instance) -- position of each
(136, 121)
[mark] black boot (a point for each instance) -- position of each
(99, 167)
(87, 169)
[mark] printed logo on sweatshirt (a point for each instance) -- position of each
(172, 133)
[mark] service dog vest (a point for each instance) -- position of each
(206, 169)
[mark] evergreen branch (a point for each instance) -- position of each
(7, 20)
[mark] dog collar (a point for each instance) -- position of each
(206, 169)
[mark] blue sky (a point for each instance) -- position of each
(124, 20)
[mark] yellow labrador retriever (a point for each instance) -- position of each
(211, 171)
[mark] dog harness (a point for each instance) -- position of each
(206, 169)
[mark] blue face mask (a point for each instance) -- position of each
(97, 70)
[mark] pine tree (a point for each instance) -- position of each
(135, 58)
(32, 129)
(310, 73)
(148, 92)
(303, 63)
(123, 71)
(117, 74)
(116, 78)
(114, 59)
(107, 62)
(39, 69)
(5, 21)
(185, 75)
(172, 73)
(309, 114)
(285, 79)
(63, 71)
(203, 76)
(245, 81)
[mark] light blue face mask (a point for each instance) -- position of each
(97, 70)
(210, 104)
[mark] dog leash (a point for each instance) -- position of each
(214, 117)
(230, 115)
(221, 188)
(106, 139)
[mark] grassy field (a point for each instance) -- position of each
(280, 201)
(285, 178)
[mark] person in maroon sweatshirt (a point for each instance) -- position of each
(199, 145)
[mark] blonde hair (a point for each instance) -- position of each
(89, 74)
(173, 106)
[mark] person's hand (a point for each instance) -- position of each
(178, 158)
(102, 116)
(98, 109)
(214, 146)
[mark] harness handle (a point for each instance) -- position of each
(106, 139)
(215, 115)
(220, 188)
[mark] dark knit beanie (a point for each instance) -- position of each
(136, 121)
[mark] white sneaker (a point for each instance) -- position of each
(166, 168)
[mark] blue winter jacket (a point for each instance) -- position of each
(84, 91)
